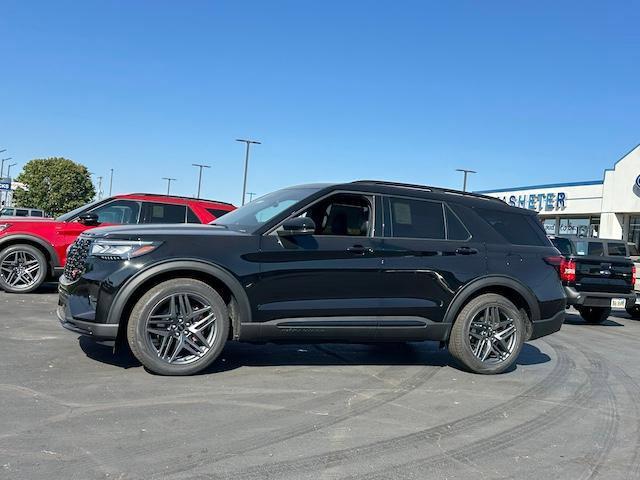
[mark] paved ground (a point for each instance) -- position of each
(69, 409)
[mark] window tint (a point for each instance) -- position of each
(416, 218)
(633, 250)
(341, 214)
(564, 245)
(191, 217)
(21, 212)
(165, 213)
(516, 228)
(7, 211)
(455, 229)
(36, 213)
(617, 249)
(217, 212)
(118, 212)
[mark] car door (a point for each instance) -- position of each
(326, 284)
(428, 253)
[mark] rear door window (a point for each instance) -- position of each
(416, 218)
(516, 228)
(192, 217)
(164, 213)
(21, 212)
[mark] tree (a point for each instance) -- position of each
(56, 185)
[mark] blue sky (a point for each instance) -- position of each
(523, 92)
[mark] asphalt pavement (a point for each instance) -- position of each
(71, 409)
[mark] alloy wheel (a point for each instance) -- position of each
(20, 269)
(181, 328)
(492, 335)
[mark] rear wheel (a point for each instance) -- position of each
(634, 311)
(594, 315)
(179, 327)
(23, 268)
(488, 334)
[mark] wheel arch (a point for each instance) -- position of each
(512, 289)
(224, 282)
(46, 248)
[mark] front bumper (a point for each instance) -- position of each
(596, 299)
(78, 313)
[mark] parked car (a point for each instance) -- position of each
(597, 275)
(366, 261)
(34, 250)
(634, 255)
(21, 212)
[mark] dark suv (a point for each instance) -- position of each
(366, 261)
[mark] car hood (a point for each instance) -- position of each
(140, 232)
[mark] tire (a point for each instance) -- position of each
(594, 315)
(23, 268)
(634, 311)
(466, 334)
(173, 332)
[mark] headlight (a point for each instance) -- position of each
(121, 249)
(4, 226)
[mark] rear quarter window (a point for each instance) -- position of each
(617, 249)
(564, 245)
(217, 212)
(516, 228)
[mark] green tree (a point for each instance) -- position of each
(56, 185)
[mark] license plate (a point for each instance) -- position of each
(618, 303)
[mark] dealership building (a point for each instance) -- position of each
(607, 208)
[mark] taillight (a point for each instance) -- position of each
(566, 268)
(633, 276)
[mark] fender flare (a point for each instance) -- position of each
(54, 260)
(130, 287)
(469, 290)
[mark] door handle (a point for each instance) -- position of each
(466, 251)
(359, 249)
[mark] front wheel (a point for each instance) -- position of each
(594, 315)
(179, 327)
(488, 334)
(23, 269)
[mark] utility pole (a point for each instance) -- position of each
(2, 164)
(169, 180)
(200, 166)
(251, 195)
(100, 188)
(111, 183)
(466, 172)
(246, 164)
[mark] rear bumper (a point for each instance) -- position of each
(547, 326)
(596, 299)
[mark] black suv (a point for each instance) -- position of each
(366, 261)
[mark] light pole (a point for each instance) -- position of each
(466, 172)
(100, 188)
(246, 164)
(6, 195)
(201, 166)
(169, 180)
(251, 195)
(111, 183)
(2, 164)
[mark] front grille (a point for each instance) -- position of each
(76, 257)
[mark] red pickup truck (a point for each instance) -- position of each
(34, 250)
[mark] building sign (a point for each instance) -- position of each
(5, 184)
(547, 202)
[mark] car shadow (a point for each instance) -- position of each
(576, 319)
(236, 355)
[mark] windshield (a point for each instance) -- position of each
(69, 215)
(255, 214)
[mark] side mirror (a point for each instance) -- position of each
(89, 219)
(297, 226)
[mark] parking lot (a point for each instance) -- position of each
(72, 410)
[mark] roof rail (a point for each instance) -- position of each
(176, 196)
(428, 188)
